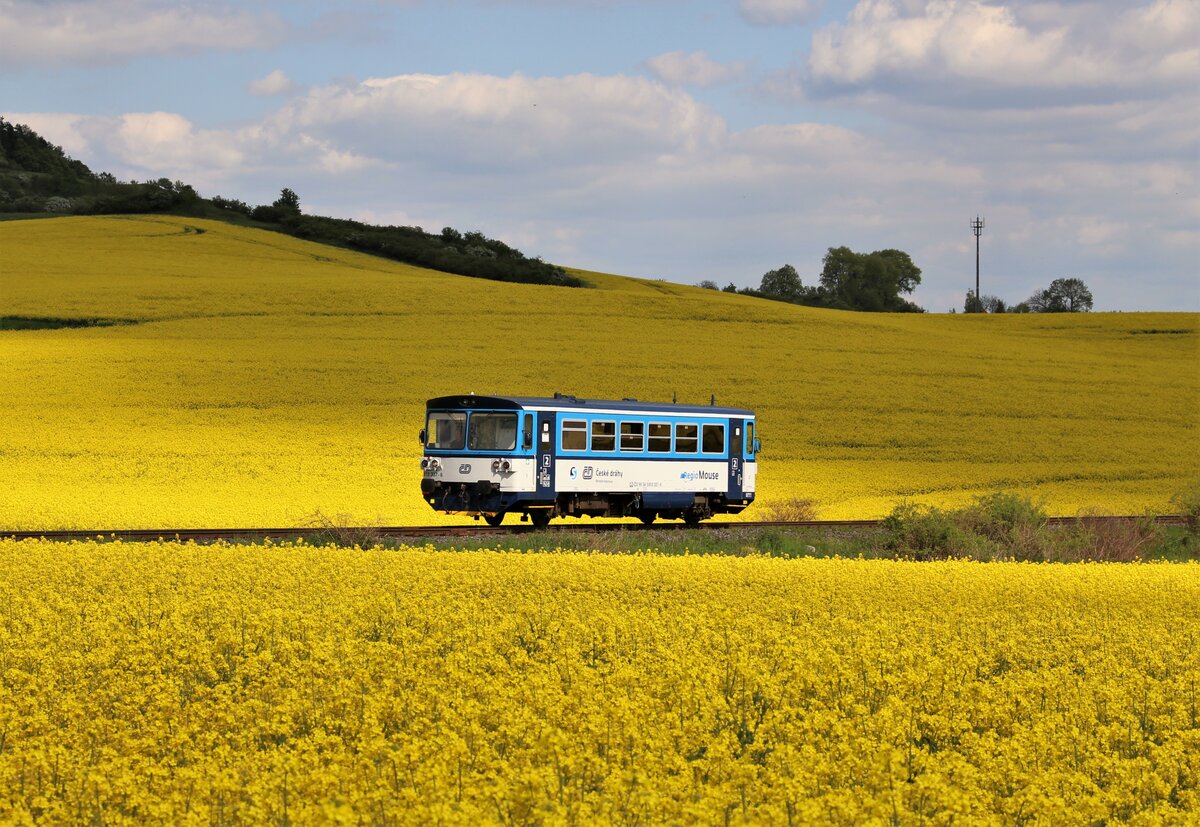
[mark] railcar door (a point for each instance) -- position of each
(736, 463)
(547, 433)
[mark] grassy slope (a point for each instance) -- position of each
(270, 378)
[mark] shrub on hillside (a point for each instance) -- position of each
(1095, 539)
(919, 532)
(1006, 526)
(1187, 502)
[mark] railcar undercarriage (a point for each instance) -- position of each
(485, 499)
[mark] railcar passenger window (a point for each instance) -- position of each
(632, 436)
(604, 436)
(446, 431)
(685, 439)
(660, 437)
(574, 435)
(492, 432)
(714, 439)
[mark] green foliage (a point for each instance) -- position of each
(922, 533)
(1187, 501)
(869, 281)
(782, 285)
(985, 304)
(1062, 296)
(230, 205)
(288, 202)
(849, 281)
(469, 254)
(23, 149)
(1005, 526)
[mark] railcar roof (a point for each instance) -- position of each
(565, 402)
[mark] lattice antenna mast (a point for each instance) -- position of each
(977, 228)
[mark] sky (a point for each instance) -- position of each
(685, 140)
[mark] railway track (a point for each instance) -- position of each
(371, 533)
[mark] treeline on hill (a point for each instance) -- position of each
(467, 254)
(870, 282)
(37, 177)
(1062, 296)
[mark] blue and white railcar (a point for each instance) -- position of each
(545, 457)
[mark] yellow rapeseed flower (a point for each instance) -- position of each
(173, 683)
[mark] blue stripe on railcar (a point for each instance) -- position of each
(648, 419)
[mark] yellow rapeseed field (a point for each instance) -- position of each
(168, 683)
(267, 379)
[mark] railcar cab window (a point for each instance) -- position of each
(714, 439)
(686, 438)
(660, 437)
(604, 436)
(633, 436)
(574, 435)
(446, 431)
(750, 438)
(492, 431)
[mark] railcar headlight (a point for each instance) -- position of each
(424, 463)
(495, 466)
(434, 464)
(506, 466)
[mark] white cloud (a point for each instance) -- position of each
(166, 144)
(481, 122)
(275, 83)
(969, 51)
(779, 12)
(693, 69)
(113, 31)
(630, 175)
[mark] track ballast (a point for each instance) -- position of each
(375, 533)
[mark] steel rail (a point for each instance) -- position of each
(372, 533)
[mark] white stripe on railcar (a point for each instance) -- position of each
(597, 475)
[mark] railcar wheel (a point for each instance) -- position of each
(540, 517)
(647, 517)
(494, 519)
(692, 518)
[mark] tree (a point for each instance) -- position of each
(1042, 302)
(868, 281)
(984, 304)
(708, 284)
(288, 202)
(904, 275)
(729, 288)
(994, 304)
(1072, 294)
(782, 284)
(1062, 296)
